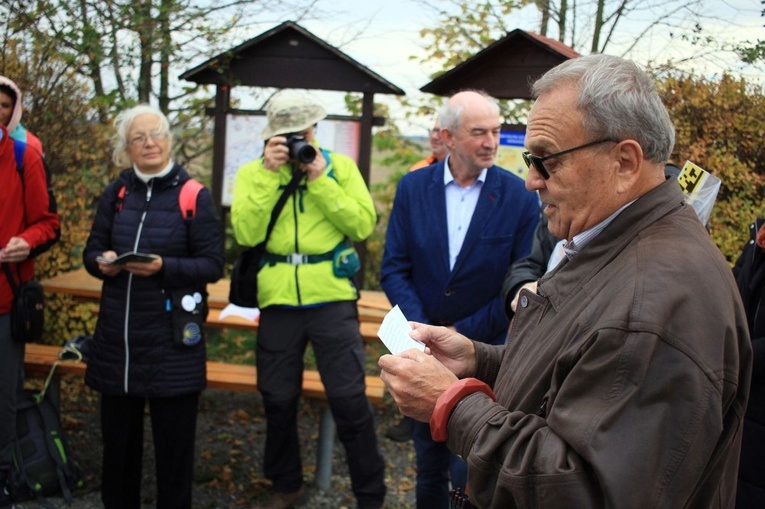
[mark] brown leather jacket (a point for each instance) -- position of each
(624, 381)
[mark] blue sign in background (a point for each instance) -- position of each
(514, 139)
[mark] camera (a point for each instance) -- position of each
(300, 150)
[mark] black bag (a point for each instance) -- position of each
(42, 466)
(28, 310)
(244, 275)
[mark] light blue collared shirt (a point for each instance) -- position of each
(460, 205)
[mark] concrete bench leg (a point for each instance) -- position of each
(324, 449)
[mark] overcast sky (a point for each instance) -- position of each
(392, 36)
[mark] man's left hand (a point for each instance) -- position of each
(415, 380)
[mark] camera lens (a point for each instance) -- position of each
(300, 149)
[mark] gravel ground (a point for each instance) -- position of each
(229, 448)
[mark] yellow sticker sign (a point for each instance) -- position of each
(691, 178)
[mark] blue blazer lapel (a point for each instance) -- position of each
(480, 220)
(436, 228)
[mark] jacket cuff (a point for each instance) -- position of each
(448, 400)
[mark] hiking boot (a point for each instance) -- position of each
(281, 500)
(401, 432)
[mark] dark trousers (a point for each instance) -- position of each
(436, 466)
(173, 426)
(11, 382)
(333, 330)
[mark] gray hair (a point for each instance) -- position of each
(122, 127)
(450, 114)
(617, 100)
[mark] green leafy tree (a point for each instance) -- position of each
(753, 52)
(130, 51)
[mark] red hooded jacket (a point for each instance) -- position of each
(27, 210)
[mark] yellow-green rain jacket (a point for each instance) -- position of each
(318, 217)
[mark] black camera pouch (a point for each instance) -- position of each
(28, 309)
(189, 309)
(28, 312)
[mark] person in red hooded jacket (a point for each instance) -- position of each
(29, 225)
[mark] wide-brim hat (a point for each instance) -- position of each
(290, 112)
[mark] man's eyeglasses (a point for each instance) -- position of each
(539, 162)
(141, 139)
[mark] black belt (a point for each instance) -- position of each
(297, 258)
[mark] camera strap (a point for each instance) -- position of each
(297, 176)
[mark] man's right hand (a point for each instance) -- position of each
(451, 348)
(275, 153)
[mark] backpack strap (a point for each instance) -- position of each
(187, 200)
(56, 448)
(120, 198)
(19, 148)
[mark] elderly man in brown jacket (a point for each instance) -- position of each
(624, 380)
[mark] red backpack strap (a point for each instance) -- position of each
(120, 198)
(187, 200)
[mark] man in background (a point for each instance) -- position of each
(437, 147)
(402, 431)
(454, 230)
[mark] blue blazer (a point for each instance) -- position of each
(415, 270)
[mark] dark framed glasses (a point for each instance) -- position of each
(539, 162)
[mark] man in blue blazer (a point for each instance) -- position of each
(455, 229)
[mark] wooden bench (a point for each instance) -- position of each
(368, 329)
(372, 305)
(39, 360)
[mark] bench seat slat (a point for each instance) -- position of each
(220, 375)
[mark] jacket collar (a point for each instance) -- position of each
(175, 177)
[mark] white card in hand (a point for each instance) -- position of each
(394, 332)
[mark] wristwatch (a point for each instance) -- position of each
(449, 399)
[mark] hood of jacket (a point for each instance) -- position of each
(16, 115)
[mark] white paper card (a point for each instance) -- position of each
(394, 332)
(234, 310)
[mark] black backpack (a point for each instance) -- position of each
(42, 466)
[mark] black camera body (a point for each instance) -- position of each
(300, 149)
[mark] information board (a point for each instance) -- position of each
(509, 153)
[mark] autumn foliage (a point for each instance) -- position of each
(719, 125)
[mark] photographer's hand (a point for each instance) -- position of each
(275, 153)
(315, 168)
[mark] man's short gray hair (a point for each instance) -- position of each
(450, 115)
(122, 126)
(617, 100)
